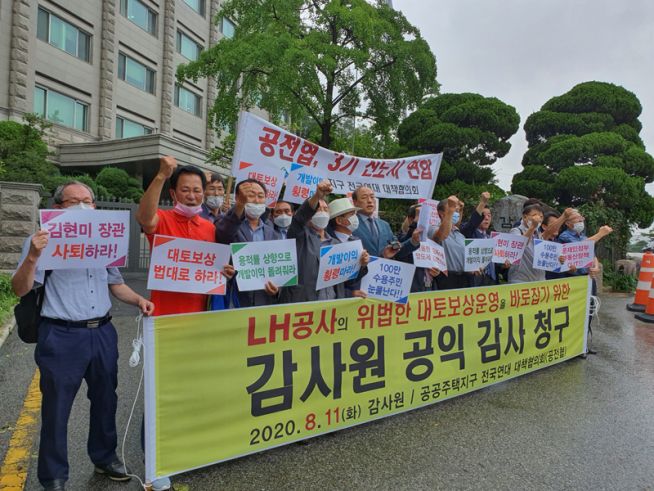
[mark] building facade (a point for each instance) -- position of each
(103, 72)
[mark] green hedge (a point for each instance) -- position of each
(7, 297)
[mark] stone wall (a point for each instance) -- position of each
(19, 206)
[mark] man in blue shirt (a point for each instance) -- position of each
(376, 234)
(76, 340)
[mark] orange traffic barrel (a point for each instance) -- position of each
(644, 284)
(648, 315)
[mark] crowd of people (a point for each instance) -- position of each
(76, 321)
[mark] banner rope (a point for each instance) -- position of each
(134, 360)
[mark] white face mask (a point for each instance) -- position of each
(320, 219)
(187, 211)
(255, 210)
(80, 206)
(579, 227)
(354, 223)
(214, 202)
(283, 220)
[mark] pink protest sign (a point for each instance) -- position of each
(84, 238)
(508, 247)
(578, 254)
(185, 265)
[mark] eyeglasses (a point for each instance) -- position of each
(78, 201)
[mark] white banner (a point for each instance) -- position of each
(478, 254)
(388, 280)
(508, 247)
(269, 175)
(259, 142)
(259, 262)
(430, 255)
(185, 265)
(84, 238)
(428, 219)
(301, 183)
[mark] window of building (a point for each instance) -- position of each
(187, 47)
(188, 101)
(60, 108)
(139, 14)
(135, 73)
(63, 35)
(197, 5)
(227, 27)
(126, 128)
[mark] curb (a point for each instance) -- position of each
(6, 329)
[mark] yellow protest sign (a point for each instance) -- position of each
(224, 384)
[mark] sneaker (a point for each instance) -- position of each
(161, 484)
(116, 470)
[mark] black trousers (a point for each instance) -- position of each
(453, 281)
(66, 356)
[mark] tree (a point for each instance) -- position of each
(24, 154)
(471, 130)
(115, 182)
(318, 60)
(585, 149)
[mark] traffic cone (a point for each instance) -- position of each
(644, 284)
(648, 315)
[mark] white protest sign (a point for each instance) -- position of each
(339, 263)
(546, 255)
(301, 183)
(508, 247)
(478, 254)
(84, 238)
(428, 219)
(578, 254)
(430, 255)
(189, 266)
(259, 142)
(388, 280)
(269, 175)
(259, 262)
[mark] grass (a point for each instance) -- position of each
(7, 298)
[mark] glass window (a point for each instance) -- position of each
(135, 73)
(188, 101)
(140, 15)
(42, 26)
(227, 27)
(197, 5)
(126, 128)
(61, 109)
(63, 35)
(187, 47)
(39, 101)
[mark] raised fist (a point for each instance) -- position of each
(167, 166)
(324, 188)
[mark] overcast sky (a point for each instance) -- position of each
(525, 51)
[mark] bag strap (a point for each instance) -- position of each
(42, 298)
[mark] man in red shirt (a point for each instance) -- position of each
(187, 191)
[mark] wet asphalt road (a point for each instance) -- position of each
(583, 424)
